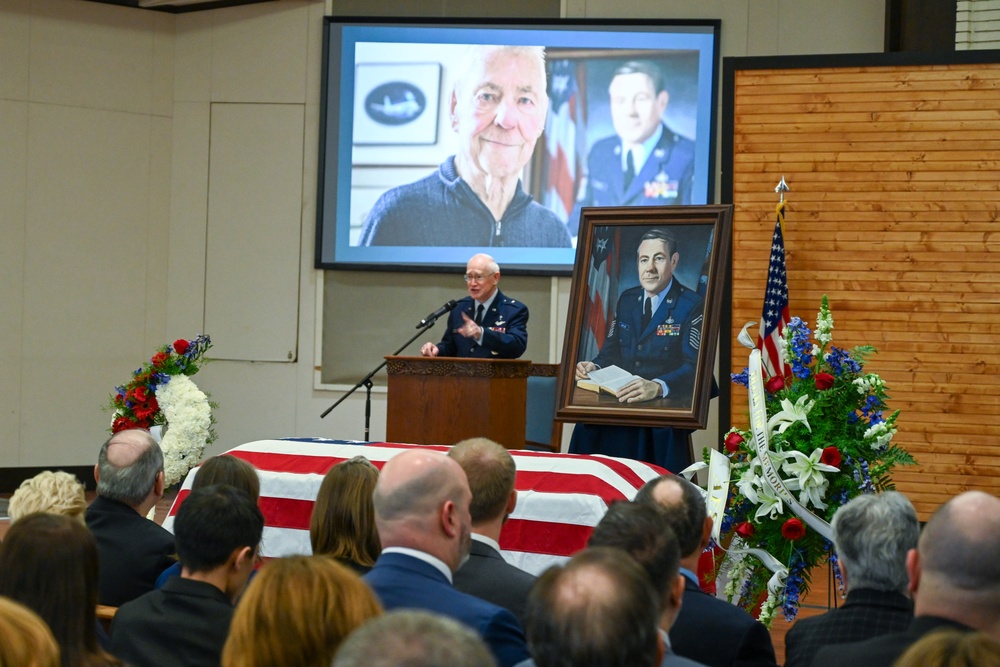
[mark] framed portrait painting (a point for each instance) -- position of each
(643, 324)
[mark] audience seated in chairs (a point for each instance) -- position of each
(297, 611)
(218, 531)
(422, 509)
(639, 530)
(598, 610)
(872, 535)
(491, 472)
(133, 549)
(48, 562)
(229, 470)
(56, 492)
(25, 640)
(952, 648)
(413, 638)
(342, 525)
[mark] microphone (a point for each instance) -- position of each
(437, 313)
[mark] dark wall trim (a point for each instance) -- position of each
(11, 478)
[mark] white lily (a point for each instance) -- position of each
(808, 479)
(791, 414)
(749, 484)
(770, 503)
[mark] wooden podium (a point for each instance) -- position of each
(441, 400)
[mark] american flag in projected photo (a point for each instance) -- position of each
(775, 316)
(602, 289)
(562, 141)
(561, 497)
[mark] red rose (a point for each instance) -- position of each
(733, 442)
(745, 530)
(181, 346)
(830, 456)
(793, 529)
(122, 424)
(824, 381)
(774, 384)
(159, 358)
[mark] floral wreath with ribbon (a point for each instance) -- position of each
(161, 393)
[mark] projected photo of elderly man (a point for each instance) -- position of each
(475, 198)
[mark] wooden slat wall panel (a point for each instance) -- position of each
(895, 191)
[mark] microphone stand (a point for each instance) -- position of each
(366, 381)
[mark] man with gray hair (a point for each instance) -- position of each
(132, 550)
(872, 535)
(498, 108)
(413, 638)
(954, 578)
(491, 472)
(422, 514)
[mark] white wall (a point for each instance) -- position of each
(125, 176)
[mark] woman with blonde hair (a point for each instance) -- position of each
(48, 562)
(297, 611)
(343, 519)
(952, 648)
(25, 640)
(50, 491)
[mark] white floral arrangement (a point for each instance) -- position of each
(161, 393)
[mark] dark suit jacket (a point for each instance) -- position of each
(719, 634)
(401, 581)
(183, 623)
(133, 550)
(505, 330)
(488, 576)
(865, 614)
(884, 650)
(665, 179)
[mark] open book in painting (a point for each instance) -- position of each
(609, 380)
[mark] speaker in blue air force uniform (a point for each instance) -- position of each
(645, 163)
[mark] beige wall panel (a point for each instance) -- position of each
(91, 55)
(85, 284)
(158, 238)
(254, 216)
(13, 146)
(821, 26)
(163, 65)
(193, 57)
(188, 220)
(259, 53)
(256, 401)
(314, 55)
(15, 26)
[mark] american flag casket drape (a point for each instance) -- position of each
(561, 497)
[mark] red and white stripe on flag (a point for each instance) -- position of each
(602, 289)
(774, 316)
(561, 140)
(561, 497)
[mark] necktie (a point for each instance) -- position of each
(629, 171)
(647, 312)
(479, 314)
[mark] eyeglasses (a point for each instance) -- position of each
(476, 277)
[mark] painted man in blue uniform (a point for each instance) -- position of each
(655, 334)
(645, 163)
(475, 198)
(486, 324)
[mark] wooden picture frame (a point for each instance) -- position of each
(605, 312)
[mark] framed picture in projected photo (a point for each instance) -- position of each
(439, 136)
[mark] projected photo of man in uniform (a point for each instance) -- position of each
(475, 198)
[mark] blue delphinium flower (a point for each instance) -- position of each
(742, 379)
(793, 586)
(798, 347)
(840, 360)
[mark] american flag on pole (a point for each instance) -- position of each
(561, 497)
(564, 154)
(774, 316)
(602, 289)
